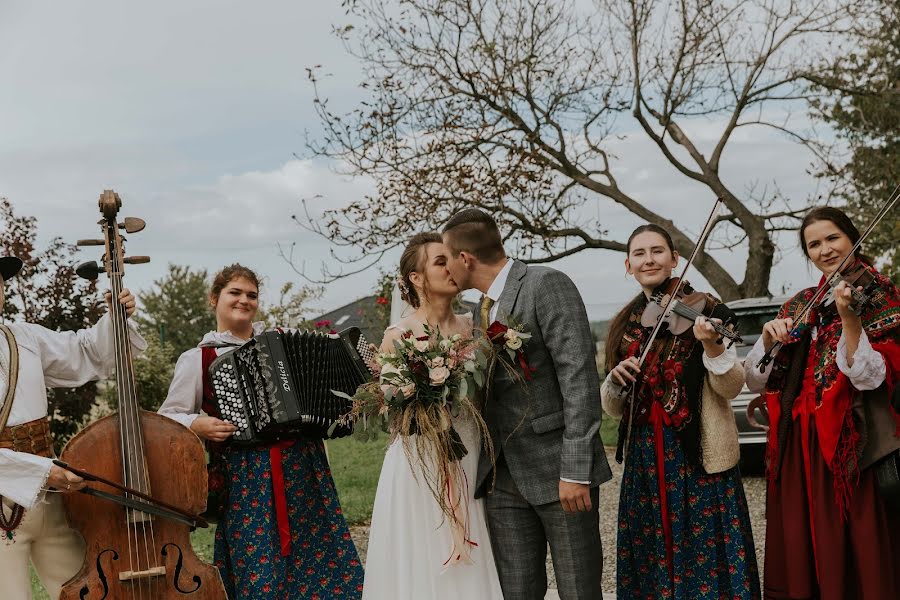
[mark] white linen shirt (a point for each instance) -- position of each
(185, 396)
(56, 359)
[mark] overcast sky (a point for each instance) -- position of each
(193, 111)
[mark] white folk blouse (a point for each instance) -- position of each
(56, 359)
(867, 373)
(186, 391)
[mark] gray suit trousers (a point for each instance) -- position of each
(520, 533)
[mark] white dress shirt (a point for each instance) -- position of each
(65, 359)
(496, 289)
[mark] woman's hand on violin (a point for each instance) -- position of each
(706, 334)
(64, 481)
(213, 429)
(626, 371)
(126, 299)
(777, 330)
(843, 298)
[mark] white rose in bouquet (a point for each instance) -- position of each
(421, 345)
(438, 375)
(388, 369)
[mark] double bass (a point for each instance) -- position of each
(138, 542)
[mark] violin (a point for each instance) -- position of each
(138, 542)
(858, 276)
(684, 309)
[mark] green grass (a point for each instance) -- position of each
(356, 466)
(37, 590)
(609, 430)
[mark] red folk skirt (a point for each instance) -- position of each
(814, 553)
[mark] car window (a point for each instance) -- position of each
(750, 322)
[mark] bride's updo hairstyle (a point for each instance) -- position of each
(413, 260)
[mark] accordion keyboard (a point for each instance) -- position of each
(228, 396)
(282, 383)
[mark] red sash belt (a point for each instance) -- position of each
(659, 418)
(281, 514)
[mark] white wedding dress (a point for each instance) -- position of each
(411, 542)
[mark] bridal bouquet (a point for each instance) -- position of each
(419, 387)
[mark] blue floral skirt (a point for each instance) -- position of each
(711, 541)
(322, 562)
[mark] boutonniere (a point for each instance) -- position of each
(512, 339)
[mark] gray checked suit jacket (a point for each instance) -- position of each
(546, 428)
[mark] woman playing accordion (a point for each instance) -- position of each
(281, 532)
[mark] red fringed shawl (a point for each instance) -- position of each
(834, 393)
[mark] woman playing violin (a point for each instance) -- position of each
(281, 533)
(829, 533)
(684, 529)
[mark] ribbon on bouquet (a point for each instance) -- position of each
(457, 500)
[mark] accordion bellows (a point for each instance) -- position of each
(281, 384)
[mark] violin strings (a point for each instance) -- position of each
(692, 313)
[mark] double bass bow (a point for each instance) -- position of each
(823, 296)
(138, 542)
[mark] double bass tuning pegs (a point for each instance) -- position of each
(132, 224)
(88, 270)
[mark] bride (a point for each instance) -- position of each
(415, 550)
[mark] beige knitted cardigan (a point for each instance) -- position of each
(718, 431)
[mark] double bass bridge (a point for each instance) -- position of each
(138, 575)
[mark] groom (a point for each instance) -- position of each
(545, 427)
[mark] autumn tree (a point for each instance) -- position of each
(176, 309)
(514, 106)
(47, 292)
(294, 307)
(863, 106)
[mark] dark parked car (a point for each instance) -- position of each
(752, 314)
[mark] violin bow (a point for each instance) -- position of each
(831, 280)
(630, 388)
(147, 504)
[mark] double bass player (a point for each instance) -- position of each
(33, 526)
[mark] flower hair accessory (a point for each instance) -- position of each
(401, 283)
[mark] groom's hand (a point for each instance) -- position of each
(575, 497)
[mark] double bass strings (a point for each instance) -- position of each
(133, 457)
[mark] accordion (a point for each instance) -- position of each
(282, 383)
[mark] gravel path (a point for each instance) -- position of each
(754, 487)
